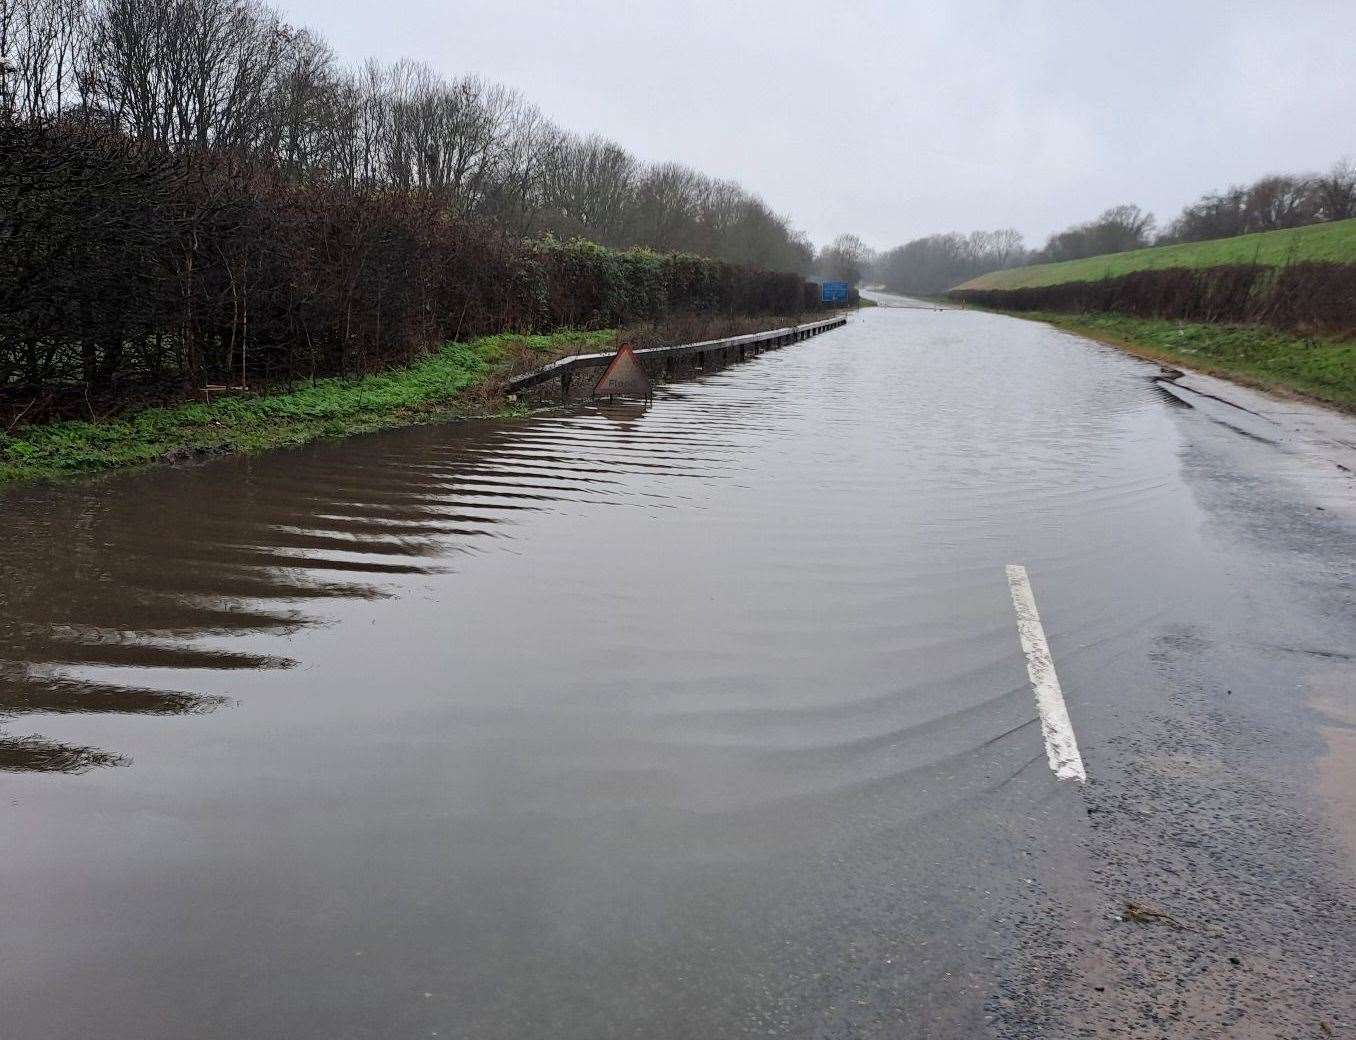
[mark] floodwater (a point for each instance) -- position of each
(702, 719)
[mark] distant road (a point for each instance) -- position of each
(881, 298)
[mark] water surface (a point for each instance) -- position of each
(706, 719)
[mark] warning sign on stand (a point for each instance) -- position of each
(623, 377)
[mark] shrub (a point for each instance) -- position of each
(1319, 296)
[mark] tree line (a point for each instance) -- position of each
(126, 265)
(194, 192)
(1272, 203)
(936, 263)
(232, 75)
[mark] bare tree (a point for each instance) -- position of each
(590, 186)
(308, 107)
(185, 72)
(40, 43)
(668, 202)
(845, 260)
(1335, 192)
(1279, 201)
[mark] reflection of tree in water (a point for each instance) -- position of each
(33, 754)
(22, 695)
(123, 597)
(165, 569)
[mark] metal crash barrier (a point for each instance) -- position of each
(730, 349)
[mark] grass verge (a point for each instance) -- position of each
(1320, 368)
(439, 386)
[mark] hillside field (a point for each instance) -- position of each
(1334, 242)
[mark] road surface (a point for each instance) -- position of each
(711, 719)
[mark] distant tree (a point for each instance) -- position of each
(845, 260)
(1279, 201)
(994, 250)
(939, 262)
(1335, 192)
(1125, 227)
(1217, 215)
(1271, 203)
(1118, 229)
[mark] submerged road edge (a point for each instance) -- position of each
(1061, 747)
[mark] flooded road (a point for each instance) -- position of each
(707, 719)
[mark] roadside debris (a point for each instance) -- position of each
(1147, 915)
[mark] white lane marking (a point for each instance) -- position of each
(1060, 746)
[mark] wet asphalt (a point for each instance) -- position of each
(707, 718)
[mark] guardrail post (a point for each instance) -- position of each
(566, 378)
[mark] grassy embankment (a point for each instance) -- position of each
(1315, 366)
(1331, 243)
(1320, 368)
(440, 386)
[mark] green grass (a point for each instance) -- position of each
(1320, 368)
(430, 389)
(1335, 242)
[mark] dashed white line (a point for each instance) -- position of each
(1061, 748)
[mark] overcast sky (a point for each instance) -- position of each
(898, 119)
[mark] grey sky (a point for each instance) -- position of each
(893, 120)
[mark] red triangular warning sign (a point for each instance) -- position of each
(623, 376)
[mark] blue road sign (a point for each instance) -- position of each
(833, 292)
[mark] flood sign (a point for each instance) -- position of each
(623, 377)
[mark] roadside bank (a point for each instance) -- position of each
(437, 387)
(456, 381)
